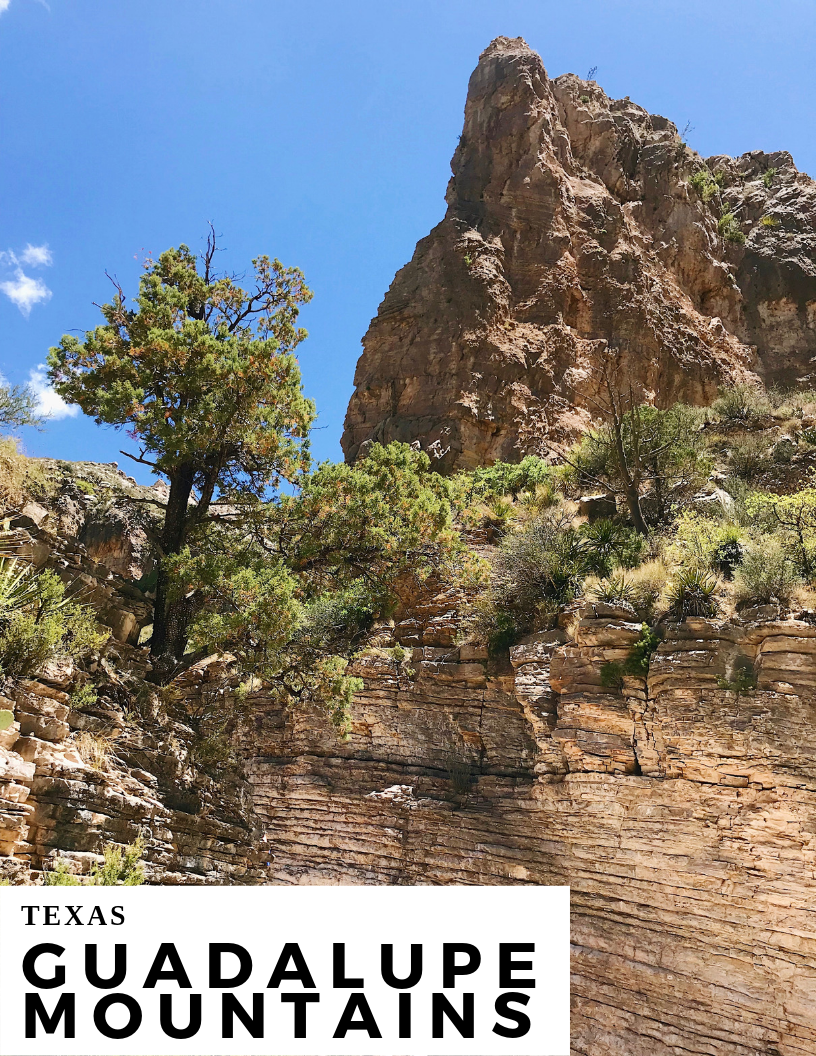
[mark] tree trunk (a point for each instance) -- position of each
(171, 617)
(633, 502)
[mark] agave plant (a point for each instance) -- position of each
(692, 593)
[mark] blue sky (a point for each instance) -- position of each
(319, 132)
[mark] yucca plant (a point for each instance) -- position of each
(18, 585)
(614, 590)
(692, 593)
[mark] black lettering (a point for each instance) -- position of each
(217, 978)
(175, 973)
(166, 1017)
(339, 969)
(232, 1008)
(405, 1015)
(507, 965)
(118, 915)
(97, 916)
(31, 973)
(52, 914)
(29, 912)
(441, 1007)
(291, 951)
(300, 1001)
(101, 1016)
(74, 918)
(521, 1019)
(367, 1022)
(387, 967)
(450, 969)
(35, 1009)
(92, 966)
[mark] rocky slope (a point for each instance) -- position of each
(573, 236)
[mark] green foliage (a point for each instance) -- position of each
(769, 221)
(292, 593)
(794, 518)
(663, 449)
(742, 678)
(768, 177)
(120, 867)
(615, 589)
(707, 184)
(18, 407)
(83, 696)
(203, 376)
(6, 719)
(705, 543)
(741, 404)
(583, 98)
(729, 229)
(610, 545)
(767, 574)
(39, 621)
(61, 876)
(484, 494)
(692, 593)
(636, 663)
(536, 568)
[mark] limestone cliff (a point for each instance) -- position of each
(573, 233)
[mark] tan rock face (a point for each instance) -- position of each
(682, 815)
(572, 235)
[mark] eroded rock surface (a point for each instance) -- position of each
(682, 815)
(573, 236)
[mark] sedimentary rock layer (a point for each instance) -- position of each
(574, 238)
(682, 814)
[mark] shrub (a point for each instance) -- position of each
(611, 545)
(766, 575)
(749, 456)
(636, 663)
(13, 473)
(691, 593)
(536, 568)
(741, 403)
(793, 520)
(769, 221)
(614, 590)
(707, 184)
(61, 876)
(728, 228)
(648, 584)
(93, 749)
(741, 678)
(701, 542)
(584, 98)
(120, 867)
(768, 177)
(38, 621)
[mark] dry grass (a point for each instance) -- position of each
(93, 749)
(13, 474)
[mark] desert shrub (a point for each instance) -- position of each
(38, 620)
(707, 184)
(740, 678)
(768, 177)
(701, 542)
(13, 472)
(663, 452)
(792, 518)
(93, 749)
(536, 568)
(692, 593)
(636, 663)
(120, 867)
(769, 221)
(610, 545)
(729, 229)
(766, 575)
(749, 456)
(741, 403)
(614, 589)
(648, 583)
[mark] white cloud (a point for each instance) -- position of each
(4, 5)
(49, 404)
(36, 256)
(25, 291)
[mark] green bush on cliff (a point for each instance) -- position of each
(39, 621)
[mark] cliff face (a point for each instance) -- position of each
(682, 815)
(573, 235)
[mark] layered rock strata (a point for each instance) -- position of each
(574, 238)
(681, 813)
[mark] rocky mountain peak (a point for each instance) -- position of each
(582, 230)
